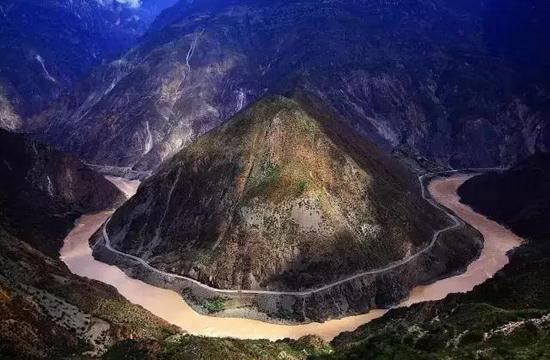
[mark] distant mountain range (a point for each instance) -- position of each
(433, 81)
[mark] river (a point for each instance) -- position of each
(169, 305)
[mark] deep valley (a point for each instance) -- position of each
(282, 179)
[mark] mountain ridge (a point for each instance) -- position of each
(406, 75)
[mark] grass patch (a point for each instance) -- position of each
(303, 186)
(214, 305)
(271, 171)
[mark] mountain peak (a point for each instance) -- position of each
(276, 140)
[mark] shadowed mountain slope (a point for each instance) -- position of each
(42, 191)
(508, 316)
(519, 197)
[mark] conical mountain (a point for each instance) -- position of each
(277, 199)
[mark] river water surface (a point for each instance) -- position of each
(168, 305)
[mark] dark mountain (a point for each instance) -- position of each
(519, 197)
(47, 46)
(422, 77)
(516, 31)
(43, 191)
(46, 312)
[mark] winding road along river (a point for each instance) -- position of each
(167, 304)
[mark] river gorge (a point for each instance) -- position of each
(169, 305)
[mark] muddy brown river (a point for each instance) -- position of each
(168, 305)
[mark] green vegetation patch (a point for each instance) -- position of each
(266, 179)
(270, 173)
(214, 305)
(468, 331)
(303, 186)
(190, 347)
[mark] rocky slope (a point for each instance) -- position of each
(49, 45)
(507, 317)
(48, 313)
(37, 177)
(45, 311)
(426, 78)
(281, 199)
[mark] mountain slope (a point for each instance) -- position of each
(508, 316)
(413, 76)
(47, 46)
(43, 191)
(204, 348)
(270, 200)
(519, 197)
(46, 312)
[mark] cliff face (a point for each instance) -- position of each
(47, 46)
(35, 176)
(417, 77)
(275, 199)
